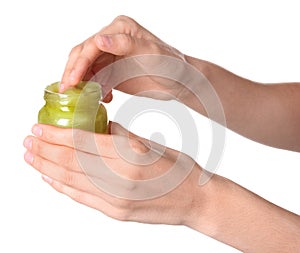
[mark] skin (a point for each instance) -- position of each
(221, 208)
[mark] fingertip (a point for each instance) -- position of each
(73, 76)
(108, 98)
(47, 179)
(28, 157)
(37, 130)
(27, 143)
(61, 88)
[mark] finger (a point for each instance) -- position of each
(104, 145)
(89, 200)
(122, 44)
(81, 180)
(61, 155)
(84, 56)
(121, 144)
(98, 167)
(68, 79)
(117, 129)
(77, 139)
(78, 171)
(77, 182)
(58, 154)
(60, 173)
(108, 98)
(80, 59)
(127, 25)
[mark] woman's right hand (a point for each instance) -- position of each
(123, 38)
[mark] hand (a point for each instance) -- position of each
(121, 39)
(107, 176)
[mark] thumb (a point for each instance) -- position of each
(120, 44)
(117, 129)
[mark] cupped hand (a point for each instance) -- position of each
(120, 174)
(122, 39)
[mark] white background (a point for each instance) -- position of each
(258, 40)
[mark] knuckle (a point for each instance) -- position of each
(139, 154)
(124, 41)
(155, 48)
(77, 196)
(138, 147)
(124, 44)
(79, 139)
(123, 203)
(68, 178)
(122, 20)
(135, 153)
(37, 147)
(124, 208)
(52, 136)
(59, 187)
(125, 24)
(39, 164)
(76, 50)
(84, 141)
(83, 60)
(122, 215)
(66, 159)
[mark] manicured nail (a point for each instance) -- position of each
(28, 157)
(47, 179)
(104, 40)
(37, 130)
(28, 143)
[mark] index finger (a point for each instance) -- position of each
(80, 59)
(83, 55)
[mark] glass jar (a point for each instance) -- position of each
(77, 107)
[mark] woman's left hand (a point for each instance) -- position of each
(120, 174)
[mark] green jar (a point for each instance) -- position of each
(77, 107)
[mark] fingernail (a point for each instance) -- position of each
(47, 179)
(104, 40)
(37, 130)
(28, 143)
(28, 157)
(61, 87)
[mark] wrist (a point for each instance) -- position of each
(237, 217)
(205, 208)
(196, 85)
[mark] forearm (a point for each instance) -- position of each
(269, 114)
(240, 218)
